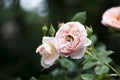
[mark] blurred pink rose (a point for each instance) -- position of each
(111, 17)
(72, 40)
(48, 51)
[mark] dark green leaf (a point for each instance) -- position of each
(55, 72)
(67, 64)
(80, 17)
(93, 38)
(106, 59)
(33, 78)
(88, 76)
(88, 65)
(101, 69)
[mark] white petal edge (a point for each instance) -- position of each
(43, 63)
(87, 42)
(37, 50)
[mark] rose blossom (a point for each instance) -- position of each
(48, 51)
(72, 40)
(111, 17)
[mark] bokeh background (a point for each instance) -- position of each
(21, 22)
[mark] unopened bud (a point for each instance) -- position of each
(44, 30)
(51, 30)
(89, 30)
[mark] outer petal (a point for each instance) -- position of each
(52, 51)
(51, 59)
(48, 39)
(37, 50)
(87, 42)
(49, 51)
(78, 53)
(40, 49)
(43, 63)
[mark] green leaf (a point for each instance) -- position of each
(55, 72)
(33, 78)
(88, 65)
(67, 64)
(88, 76)
(93, 38)
(101, 69)
(105, 59)
(108, 53)
(80, 17)
(101, 47)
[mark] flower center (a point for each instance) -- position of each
(69, 38)
(118, 18)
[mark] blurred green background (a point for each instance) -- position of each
(21, 22)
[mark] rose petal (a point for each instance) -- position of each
(49, 52)
(51, 58)
(78, 53)
(40, 49)
(87, 42)
(48, 39)
(71, 39)
(111, 17)
(47, 47)
(43, 63)
(37, 50)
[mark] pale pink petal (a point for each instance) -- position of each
(47, 47)
(48, 39)
(78, 53)
(43, 63)
(40, 49)
(52, 40)
(111, 17)
(49, 52)
(87, 42)
(51, 59)
(71, 39)
(37, 50)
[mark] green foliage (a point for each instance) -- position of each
(80, 17)
(93, 38)
(88, 77)
(67, 63)
(33, 78)
(100, 69)
(89, 31)
(88, 65)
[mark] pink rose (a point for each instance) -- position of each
(72, 40)
(48, 51)
(111, 17)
